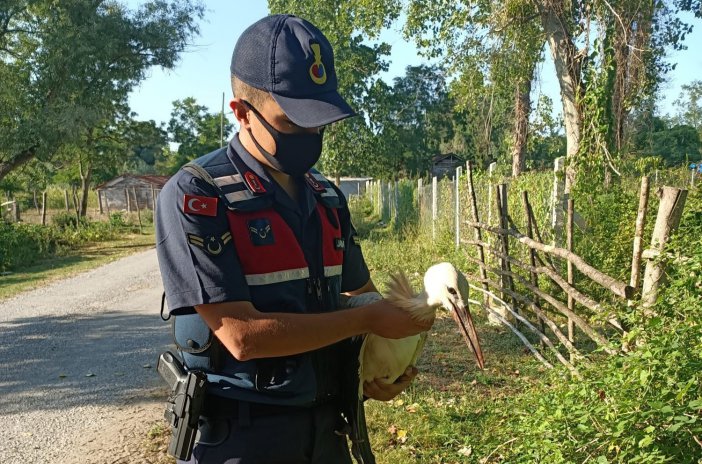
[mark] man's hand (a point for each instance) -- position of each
(390, 321)
(380, 391)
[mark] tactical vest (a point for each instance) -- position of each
(279, 279)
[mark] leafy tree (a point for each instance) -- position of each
(66, 66)
(412, 119)
(494, 48)
(689, 105)
(195, 131)
(348, 24)
(546, 140)
(601, 80)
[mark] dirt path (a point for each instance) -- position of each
(78, 382)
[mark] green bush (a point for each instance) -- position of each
(24, 244)
(641, 407)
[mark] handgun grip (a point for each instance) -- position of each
(170, 369)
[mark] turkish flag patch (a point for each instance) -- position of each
(204, 206)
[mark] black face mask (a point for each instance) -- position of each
(295, 154)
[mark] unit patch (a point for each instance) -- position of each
(212, 244)
(339, 244)
(254, 182)
(312, 182)
(260, 232)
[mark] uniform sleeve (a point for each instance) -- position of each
(355, 272)
(196, 252)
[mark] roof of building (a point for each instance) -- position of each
(156, 181)
(441, 157)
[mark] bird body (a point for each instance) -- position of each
(385, 360)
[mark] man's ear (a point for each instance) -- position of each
(241, 112)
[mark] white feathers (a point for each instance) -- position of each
(387, 359)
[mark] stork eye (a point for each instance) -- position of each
(452, 290)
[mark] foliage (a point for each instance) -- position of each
(546, 140)
(689, 105)
(670, 139)
(67, 66)
(643, 406)
(348, 24)
(195, 131)
(22, 245)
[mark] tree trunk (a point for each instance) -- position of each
(568, 65)
(85, 178)
(522, 108)
(18, 160)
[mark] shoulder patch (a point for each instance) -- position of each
(203, 206)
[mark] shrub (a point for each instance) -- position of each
(24, 244)
(641, 407)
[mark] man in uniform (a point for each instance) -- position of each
(255, 249)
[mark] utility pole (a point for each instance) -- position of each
(221, 124)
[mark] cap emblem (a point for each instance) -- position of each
(317, 71)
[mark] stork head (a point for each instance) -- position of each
(446, 286)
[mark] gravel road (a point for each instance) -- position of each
(78, 379)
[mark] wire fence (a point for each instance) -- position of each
(517, 239)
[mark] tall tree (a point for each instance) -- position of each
(689, 105)
(195, 131)
(348, 24)
(65, 66)
(494, 47)
(601, 80)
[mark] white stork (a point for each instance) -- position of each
(387, 359)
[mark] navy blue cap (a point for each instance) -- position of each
(292, 60)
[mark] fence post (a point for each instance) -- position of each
(638, 235)
(136, 204)
(397, 201)
(669, 214)
(153, 198)
(126, 195)
(379, 194)
(504, 223)
(65, 198)
(477, 233)
(16, 210)
(457, 204)
(43, 208)
(532, 259)
(99, 195)
(557, 200)
(491, 172)
(434, 205)
(569, 245)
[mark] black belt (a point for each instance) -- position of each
(217, 406)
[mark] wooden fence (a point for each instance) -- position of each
(40, 206)
(540, 286)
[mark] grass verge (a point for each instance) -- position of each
(74, 261)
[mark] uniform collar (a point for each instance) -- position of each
(252, 173)
(260, 183)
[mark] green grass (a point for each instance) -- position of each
(74, 261)
(453, 413)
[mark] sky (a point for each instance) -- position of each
(203, 71)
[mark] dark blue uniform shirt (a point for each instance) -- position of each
(192, 276)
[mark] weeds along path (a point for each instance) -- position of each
(77, 365)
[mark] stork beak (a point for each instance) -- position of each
(464, 320)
